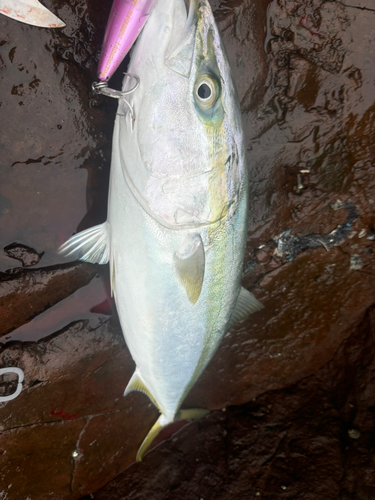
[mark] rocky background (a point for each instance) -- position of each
(291, 389)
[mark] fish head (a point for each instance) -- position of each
(197, 55)
(185, 153)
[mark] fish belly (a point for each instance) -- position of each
(170, 339)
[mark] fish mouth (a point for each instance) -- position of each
(192, 8)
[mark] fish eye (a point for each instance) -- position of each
(206, 91)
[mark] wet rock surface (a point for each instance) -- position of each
(311, 440)
(26, 255)
(306, 81)
(26, 294)
(70, 413)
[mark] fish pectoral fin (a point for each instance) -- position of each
(190, 266)
(90, 245)
(246, 304)
(136, 383)
(162, 422)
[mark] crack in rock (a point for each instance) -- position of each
(355, 6)
(76, 454)
(291, 246)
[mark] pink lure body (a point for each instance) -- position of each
(125, 22)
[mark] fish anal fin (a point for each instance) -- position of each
(136, 383)
(163, 422)
(190, 265)
(246, 304)
(90, 245)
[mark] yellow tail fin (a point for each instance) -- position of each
(160, 425)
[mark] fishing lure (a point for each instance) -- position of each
(125, 22)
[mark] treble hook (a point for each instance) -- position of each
(102, 88)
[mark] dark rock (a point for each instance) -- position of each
(33, 458)
(55, 134)
(5, 205)
(25, 294)
(76, 377)
(291, 443)
(28, 256)
(305, 76)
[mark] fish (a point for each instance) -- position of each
(30, 12)
(176, 226)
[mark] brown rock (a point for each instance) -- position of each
(34, 458)
(78, 372)
(27, 293)
(28, 256)
(55, 134)
(305, 78)
(99, 458)
(291, 443)
(76, 377)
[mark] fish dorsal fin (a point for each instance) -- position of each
(189, 264)
(90, 245)
(136, 383)
(246, 304)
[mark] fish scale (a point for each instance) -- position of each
(176, 230)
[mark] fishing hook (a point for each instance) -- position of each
(102, 88)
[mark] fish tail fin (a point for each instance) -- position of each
(90, 245)
(163, 422)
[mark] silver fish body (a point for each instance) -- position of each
(177, 211)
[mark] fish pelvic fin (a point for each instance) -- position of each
(163, 422)
(136, 383)
(246, 304)
(90, 245)
(190, 266)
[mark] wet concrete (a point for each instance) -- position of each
(305, 77)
